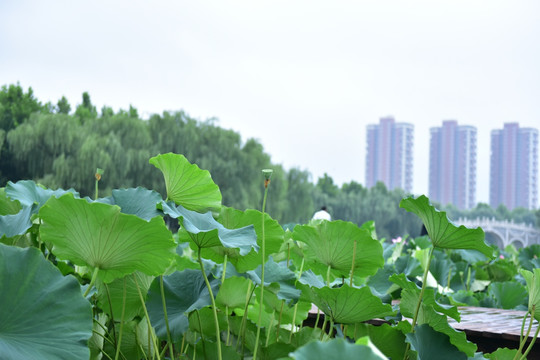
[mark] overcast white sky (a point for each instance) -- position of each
(302, 77)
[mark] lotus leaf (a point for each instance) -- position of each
(43, 314)
(100, 236)
(186, 184)
(442, 232)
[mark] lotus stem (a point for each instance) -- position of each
(288, 254)
(424, 281)
(293, 322)
(224, 269)
(352, 266)
(112, 315)
(92, 281)
(228, 325)
(169, 338)
(242, 332)
(214, 309)
(270, 327)
(417, 310)
(121, 321)
(202, 335)
(529, 348)
(150, 332)
(328, 276)
(267, 173)
(523, 339)
(279, 319)
(323, 329)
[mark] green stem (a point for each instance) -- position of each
(279, 320)
(529, 348)
(214, 308)
(523, 339)
(224, 269)
(270, 327)
(202, 335)
(121, 321)
(523, 326)
(263, 256)
(293, 322)
(150, 332)
(417, 310)
(112, 314)
(228, 325)
(328, 276)
(323, 329)
(288, 254)
(352, 266)
(92, 281)
(331, 329)
(424, 281)
(169, 338)
(243, 324)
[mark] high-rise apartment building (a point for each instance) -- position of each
(452, 165)
(389, 154)
(514, 167)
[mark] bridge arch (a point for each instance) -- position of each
(517, 242)
(494, 238)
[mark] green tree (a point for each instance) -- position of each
(63, 106)
(86, 109)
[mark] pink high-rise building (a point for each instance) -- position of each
(514, 167)
(389, 154)
(452, 165)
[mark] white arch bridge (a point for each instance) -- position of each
(505, 232)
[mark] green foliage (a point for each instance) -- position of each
(42, 313)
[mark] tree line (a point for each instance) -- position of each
(61, 147)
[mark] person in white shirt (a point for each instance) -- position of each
(322, 215)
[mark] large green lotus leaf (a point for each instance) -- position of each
(279, 274)
(232, 293)
(43, 314)
(331, 244)
(347, 305)
(335, 349)
(431, 344)
(508, 295)
(442, 232)
(206, 232)
(115, 290)
(533, 286)
(16, 224)
(427, 315)
(388, 339)
(527, 254)
(136, 201)
(7, 205)
(501, 270)
(411, 293)
(380, 284)
(184, 292)
(502, 354)
(311, 279)
(186, 184)
(28, 193)
(274, 234)
(100, 236)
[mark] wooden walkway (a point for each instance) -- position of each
(488, 328)
(493, 328)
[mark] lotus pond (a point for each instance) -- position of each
(106, 278)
